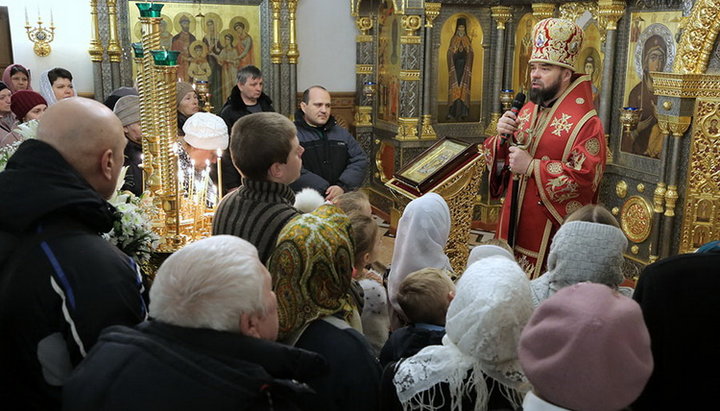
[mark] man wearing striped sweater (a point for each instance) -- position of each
(266, 151)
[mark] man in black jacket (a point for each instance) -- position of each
(334, 162)
(246, 98)
(210, 343)
(61, 283)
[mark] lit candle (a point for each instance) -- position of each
(51, 17)
(219, 170)
(27, 21)
(191, 190)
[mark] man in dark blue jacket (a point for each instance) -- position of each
(60, 282)
(333, 162)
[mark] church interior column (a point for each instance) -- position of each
(432, 10)
(292, 54)
(501, 14)
(609, 11)
(410, 49)
(276, 55)
(96, 51)
(114, 50)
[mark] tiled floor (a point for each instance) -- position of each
(388, 242)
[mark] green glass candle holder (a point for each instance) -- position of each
(138, 50)
(165, 57)
(150, 9)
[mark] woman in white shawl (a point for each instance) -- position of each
(56, 84)
(422, 234)
(477, 366)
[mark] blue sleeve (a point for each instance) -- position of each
(354, 173)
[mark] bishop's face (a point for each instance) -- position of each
(545, 82)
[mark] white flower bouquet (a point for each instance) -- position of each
(132, 230)
(26, 131)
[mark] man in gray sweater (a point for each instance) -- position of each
(266, 151)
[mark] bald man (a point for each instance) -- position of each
(60, 282)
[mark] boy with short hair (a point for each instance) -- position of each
(424, 297)
(265, 149)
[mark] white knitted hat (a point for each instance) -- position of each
(206, 131)
(582, 251)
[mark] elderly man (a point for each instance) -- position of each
(61, 283)
(127, 109)
(210, 343)
(266, 151)
(246, 98)
(334, 162)
(557, 154)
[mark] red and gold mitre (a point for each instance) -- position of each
(556, 41)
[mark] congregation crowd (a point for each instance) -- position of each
(282, 307)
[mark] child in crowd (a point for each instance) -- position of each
(476, 365)
(424, 297)
(375, 320)
(354, 201)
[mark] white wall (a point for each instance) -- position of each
(326, 41)
(71, 44)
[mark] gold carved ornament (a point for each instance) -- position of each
(543, 10)
(460, 192)
(636, 219)
(608, 14)
(411, 23)
(698, 39)
(702, 186)
(432, 10)
(621, 189)
(501, 14)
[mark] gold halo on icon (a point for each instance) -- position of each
(215, 18)
(179, 17)
(203, 52)
(239, 19)
(227, 32)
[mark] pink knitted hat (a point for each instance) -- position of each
(587, 348)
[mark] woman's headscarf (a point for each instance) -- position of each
(8, 81)
(483, 327)
(46, 89)
(582, 251)
(311, 269)
(422, 234)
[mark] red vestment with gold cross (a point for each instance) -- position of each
(567, 143)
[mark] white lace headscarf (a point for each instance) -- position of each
(46, 89)
(483, 327)
(422, 234)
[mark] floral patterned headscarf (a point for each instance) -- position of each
(311, 269)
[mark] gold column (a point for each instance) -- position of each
(659, 194)
(292, 53)
(166, 113)
(149, 120)
(114, 51)
(543, 10)
(275, 50)
(96, 49)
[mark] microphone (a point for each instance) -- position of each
(516, 106)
